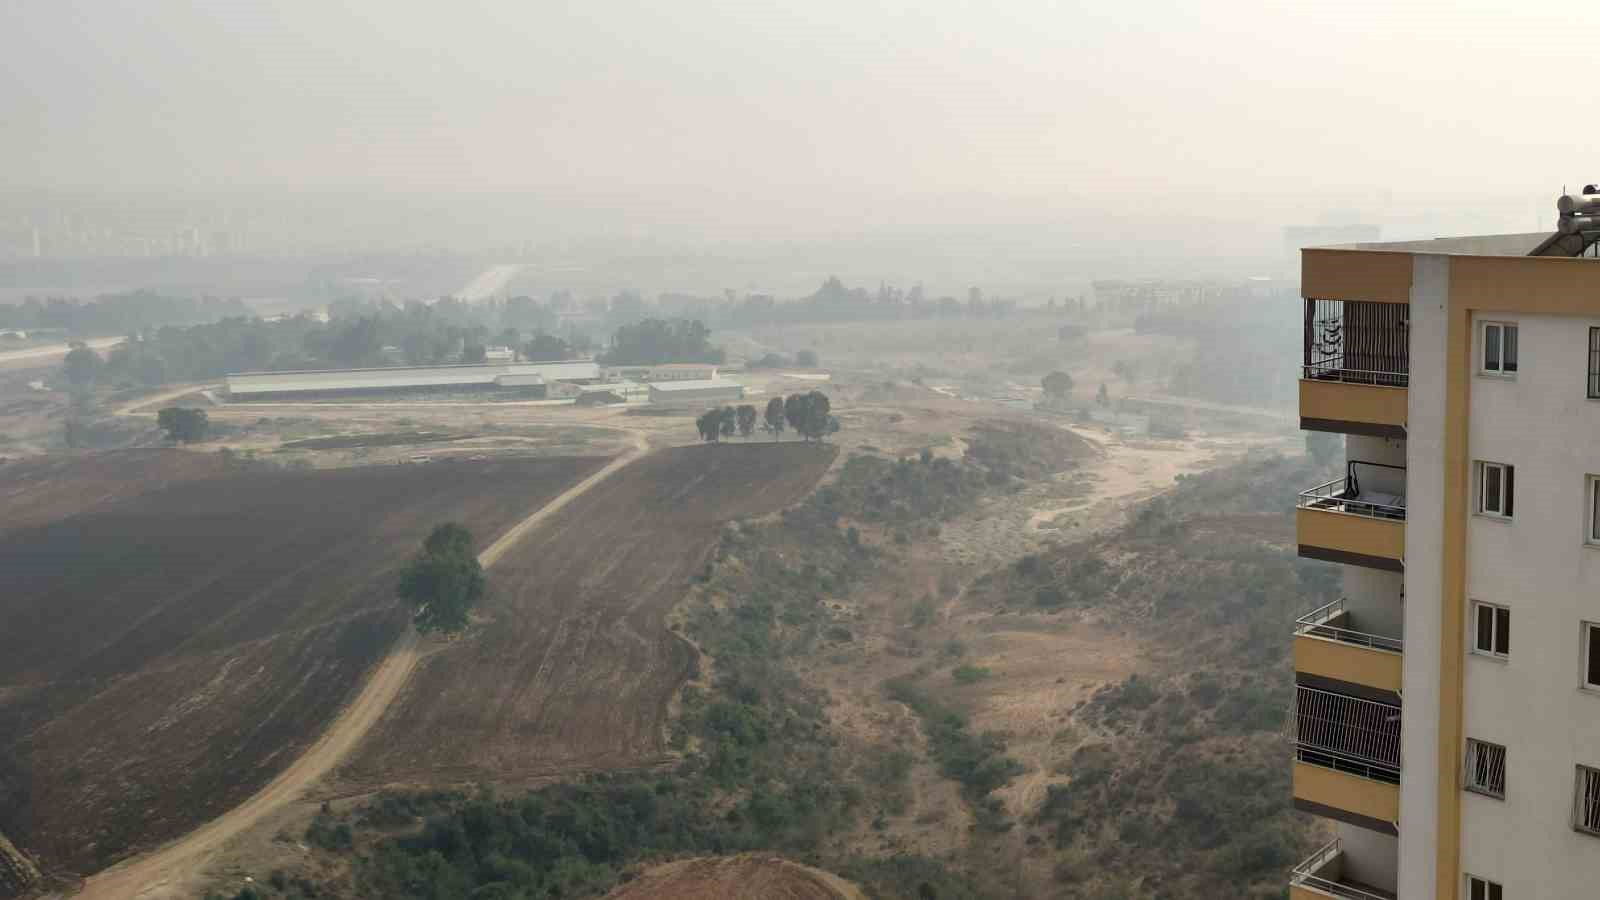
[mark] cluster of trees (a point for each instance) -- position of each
(444, 581)
(183, 425)
(116, 313)
(808, 414)
(654, 341)
(834, 302)
(805, 359)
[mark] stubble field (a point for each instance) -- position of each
(177, 633)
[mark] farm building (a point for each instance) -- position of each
(626, 391)
(664, 372)
(696, 393)
(521, 377)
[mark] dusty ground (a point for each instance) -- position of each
(745, 877)
(212, 632)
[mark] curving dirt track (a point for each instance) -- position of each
(746, 877)
(575, 668)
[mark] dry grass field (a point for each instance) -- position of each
(746, 877)
(176, 634)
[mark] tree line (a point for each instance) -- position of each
(115, 313)
(808, 415)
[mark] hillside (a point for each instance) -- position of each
(746, 877)
(178, 633)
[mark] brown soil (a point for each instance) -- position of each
(746, 877)
(179, 642)
(574, 667)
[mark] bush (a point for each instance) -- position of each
(967, 674)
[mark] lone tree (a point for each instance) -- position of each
(809, 415)
(716, 424)
(775, 417)
(82, 365)
(747, 420)
(183, 426)
(1058, 386)
(444, 581)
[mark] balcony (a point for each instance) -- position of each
(1344, 523)
(1324, 875)
(1357, 368)
(1329, 644)
(1347, 758)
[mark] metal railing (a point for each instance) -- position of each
(1334, 370)
(1334, 497)
(1347, 734)
(1314, 624)
(1305, 875)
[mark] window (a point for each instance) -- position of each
(1482, 889)
(1594, 363)
(1591, 525)
(1586, 801)
(1496, 482)
(1591, 655)
(1486, 768)
(1499, 348)
(1493, 629)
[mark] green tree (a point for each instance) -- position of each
(82, 366)
(775, 417)
(1057, 386)
(729, 421)
(182, 425)
(710, 425)
(1103, 398)
(747, 420)
(806, 359)
(444, 581)
(474, 353)
(546, 348)
(809, 414)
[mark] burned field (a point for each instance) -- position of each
(575, 668)
(177, 634)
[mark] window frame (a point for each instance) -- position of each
(1578, 793)
(1506, 496)
(1591, 527)
(1500, 630)
(1492, 890)
(1467, 770)
(1503, 330)
(1592, 389)
(1587, 649)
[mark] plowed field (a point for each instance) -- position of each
(575, 668)
(176, 636)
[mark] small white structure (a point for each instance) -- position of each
(705, 392)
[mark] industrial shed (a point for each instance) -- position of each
(696, 393)
(511, 377)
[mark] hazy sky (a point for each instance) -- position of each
(1149, 107)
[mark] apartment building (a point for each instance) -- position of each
(1447, 714)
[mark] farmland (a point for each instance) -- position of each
(178, 632)
(576, 666)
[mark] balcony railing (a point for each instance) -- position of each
(1347, 734)
(1317, 623)
(1335, 496)
(1357, 342)
(1322, 872)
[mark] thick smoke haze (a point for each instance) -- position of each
(719, 116)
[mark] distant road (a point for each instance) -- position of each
(51, 352)
(491, 281)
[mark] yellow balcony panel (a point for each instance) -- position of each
(1365, 530)
(1347, 797)
(1328, 645)
(1349, 407)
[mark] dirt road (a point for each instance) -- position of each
(146, 876)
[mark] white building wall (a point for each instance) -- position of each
(1369, 857)
(1419, 740)
(1538, 565)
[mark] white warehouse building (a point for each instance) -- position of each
(530, 377)
(707, 392)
